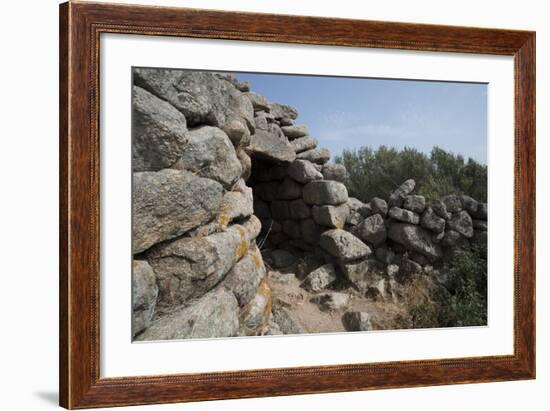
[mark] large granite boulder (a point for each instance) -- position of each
(406, 216)
(267, 145)
(336, 172)
(216, 314)
(372, 230)
(144, 295)
(245, 276)
(209, 153)
(168, 203)
(343, 245)
(188, 268)
(432, 221)
(303, 143)
(303, 171)
(330, 216)
(236, 204)
(159, 132)
(415, 238)
(415, 203)
(316, 155)
(294, 131)
(325, 192)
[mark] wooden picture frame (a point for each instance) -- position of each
(80, 27)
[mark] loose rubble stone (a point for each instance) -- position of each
(343, 245)
(372, 230)
(331, 301)
(415, 203)
(403, 215)
(330, 216)
(320, 278)
(287, 323)
(214, 315)
(144, 295)
(440, 209)
(259, 103)
(169, 203)
(469, 204)
(356, 321)
(325, 192)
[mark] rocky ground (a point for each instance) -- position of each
(243, 226)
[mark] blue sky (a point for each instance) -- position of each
(353, 112)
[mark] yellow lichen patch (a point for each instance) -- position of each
(265, 290)
(257, 258)
(223, 219)
(242, 249)
(135, 264)
(338, 225)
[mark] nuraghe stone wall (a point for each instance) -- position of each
(220, 172)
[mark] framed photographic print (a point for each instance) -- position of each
(258, 205)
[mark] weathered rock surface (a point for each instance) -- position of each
(159, 132)
(214, 315)
(286, 321)
(325, 192)
(188, 267)
(461, 222)
(372, 230)
(330, 216)
(343, 245)
(294, 131)
(303, 143)
(283, 111)
(316, 155)
(168, 203)
(415, 203)
(398, 196)
(406, 216)
(209, 153)
(144, 295)
(259, 103)
(336, 172)
(245, 276)
(269, 146)
(453, 203)
(440, 209)
(320, 278)
(379, 206)
(331, 301)
(303, 171)
(431, 221)
(415, 238)
(236, 204)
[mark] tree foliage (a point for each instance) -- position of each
(376, 173)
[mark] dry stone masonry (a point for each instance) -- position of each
(224, 178)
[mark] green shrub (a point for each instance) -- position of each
(376, 173)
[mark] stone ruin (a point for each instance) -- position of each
(224, 179)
